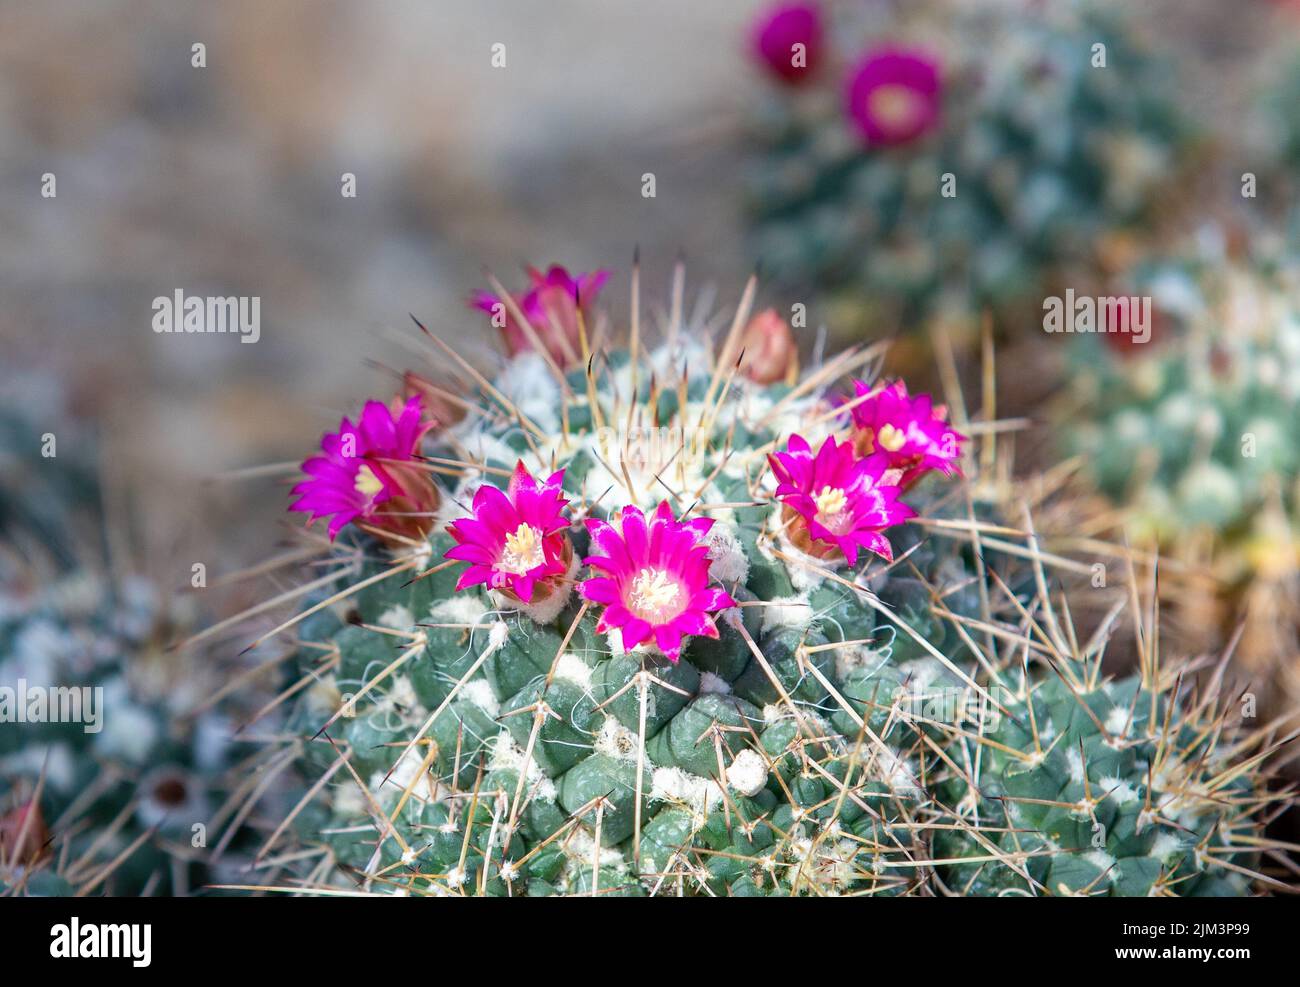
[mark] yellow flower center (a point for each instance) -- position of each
(367, 483)
(831, 503)
(891, 439)
(654, 596)
(523, 551)
(894, 107)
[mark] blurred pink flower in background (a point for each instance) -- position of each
(776, 32)
(895, 95)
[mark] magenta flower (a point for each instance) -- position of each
(657, 582)
(894, 96)
(363, 467)
(909, 431)
(776, 33)
(836, 500)
(551, 306)
(515, 540)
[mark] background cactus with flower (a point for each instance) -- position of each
(668, 628)
(1190, 441)
(911, 161)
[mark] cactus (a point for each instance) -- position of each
(671, 630)
(935, 158)
(1099, 787)
(1192, 435)
(45, 478)
(104, 770)
(1272, 135)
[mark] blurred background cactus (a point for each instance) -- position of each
(1192, 437)
(936, 158)
(117, 774)
(833, 722)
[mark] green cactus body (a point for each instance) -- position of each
(460, 742)
(1101, 788)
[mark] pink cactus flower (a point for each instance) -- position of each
(836, 502)
(516, 541)
(551, 306)
(910, 431)
(363, 467)
(657, 579)
(894, 96)
(787, 39)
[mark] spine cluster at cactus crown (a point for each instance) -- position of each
(664, 615)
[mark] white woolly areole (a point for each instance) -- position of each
(397, 617)
(1103, 861)
(482, 446)
(855, 656)
(408, 769)
(130, 732)
(583, 851)
(616, 741)
(895, 771)
(479, 692)
(1118, 722)
(803, 578)
(786, 611)
(697, 793)
(348, 801)
(60, 768)
(728, 562)
(921, 673)
(573, 669)
(323, 696)
(714, 683)
(462, 608)
(1165, 845)
(1121, 792)
(775, 713)
(400, 697)
(1074, 759)
(747, 773)
(531, 385)
(498, 634)
(505, 755)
